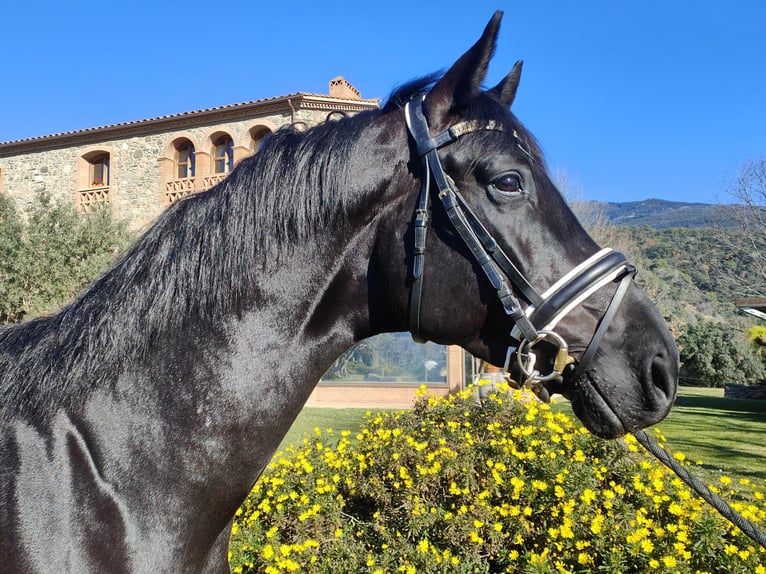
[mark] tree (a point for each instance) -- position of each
(11, 291)
(48, 257)
(742, 227)
(713, 354)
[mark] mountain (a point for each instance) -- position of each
(659, 213)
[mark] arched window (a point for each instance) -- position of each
(223, 155)
(178, 170)
(258, 135)
(99, 170)
(185, 160)
(93, 180)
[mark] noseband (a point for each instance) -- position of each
(536, 321)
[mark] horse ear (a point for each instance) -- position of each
(505, 91)
(462, 81)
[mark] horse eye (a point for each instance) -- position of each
(509, 183)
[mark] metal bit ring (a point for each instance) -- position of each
(563, 358)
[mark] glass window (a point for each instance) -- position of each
(258, 138)
(99, 170)
(223, 155)
(185, 160)
(391, 358)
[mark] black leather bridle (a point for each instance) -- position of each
(535, 321)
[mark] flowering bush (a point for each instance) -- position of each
(510, 486)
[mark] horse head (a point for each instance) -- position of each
(495, 261)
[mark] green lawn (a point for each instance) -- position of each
(726, 435)
(323, 418)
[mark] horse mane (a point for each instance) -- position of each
(198, 261)
(402, 94)
(299, 182)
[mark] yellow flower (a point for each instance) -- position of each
(588, 496)
(597, 524)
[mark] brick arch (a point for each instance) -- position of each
(256, 133)
(172, 145)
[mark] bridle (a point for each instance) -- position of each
(536, 321)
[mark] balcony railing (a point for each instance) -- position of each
(176, 189)
(93, 198)
(210, 180)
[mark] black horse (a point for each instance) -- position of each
(135, 421)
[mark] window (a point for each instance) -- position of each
(258, 137)
(178, 169)
(93, 180)
(99, 170)
(223, 155)
(185, 160)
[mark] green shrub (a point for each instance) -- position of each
(451, 487)
(47, 258)
(713, 354)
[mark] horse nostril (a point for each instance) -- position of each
(664, 380)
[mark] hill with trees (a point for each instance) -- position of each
(663, 214)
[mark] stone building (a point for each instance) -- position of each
(140, 167)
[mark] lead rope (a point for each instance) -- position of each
(723, 508)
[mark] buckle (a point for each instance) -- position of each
(526, 359)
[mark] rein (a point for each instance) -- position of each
(536, 321)
(723, 508)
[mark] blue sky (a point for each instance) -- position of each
(631, 100)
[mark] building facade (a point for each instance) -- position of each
(138, 168)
